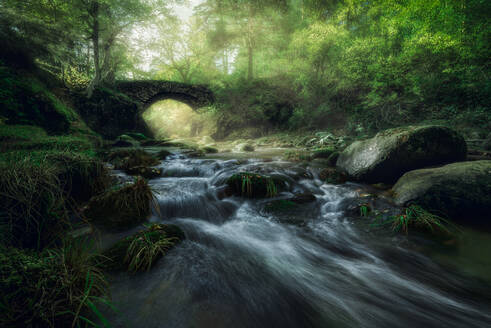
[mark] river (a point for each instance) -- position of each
(244, 267)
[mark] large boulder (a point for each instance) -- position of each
(459, 190)
(391, 153)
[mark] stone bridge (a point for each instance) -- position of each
(111, 115)
(150, 91)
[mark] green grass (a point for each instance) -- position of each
(416, 218)
(253, 185)
(141, 250)
(147, 247)
(60, 287)
(10, 133)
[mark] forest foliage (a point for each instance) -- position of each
(360, 65)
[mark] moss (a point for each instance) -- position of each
(26, 101)
(253, 185)
(322, 152)
(62, 143)
(209, 150)
(121, 257)
(122, 207)
(129, 158)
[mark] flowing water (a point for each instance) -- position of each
(244, 267)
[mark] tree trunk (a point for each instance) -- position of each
(94, 12)
(250, 70)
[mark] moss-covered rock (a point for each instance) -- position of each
(122, 207)
(333, 176)
(128, 158)
(461, 191)
(253, 185)
(391, 153)
(210, 150)
(141, 250)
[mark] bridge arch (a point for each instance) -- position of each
(115, 111)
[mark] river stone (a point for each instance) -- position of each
(456, 190)
(391, 153)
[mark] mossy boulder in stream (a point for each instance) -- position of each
(461, 191)
(391, 153)
(122, 207)
(140, 251)
(128, 158)
(253, 185)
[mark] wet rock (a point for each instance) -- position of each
(391, 153)
(151, 243)
(332, 176)
(163, 154)
(303, 198)
(146, 172)
(122, 207)
(294, 211)
(459, 190)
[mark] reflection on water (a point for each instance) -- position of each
(241, 267)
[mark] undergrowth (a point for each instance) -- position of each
(60, 287)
